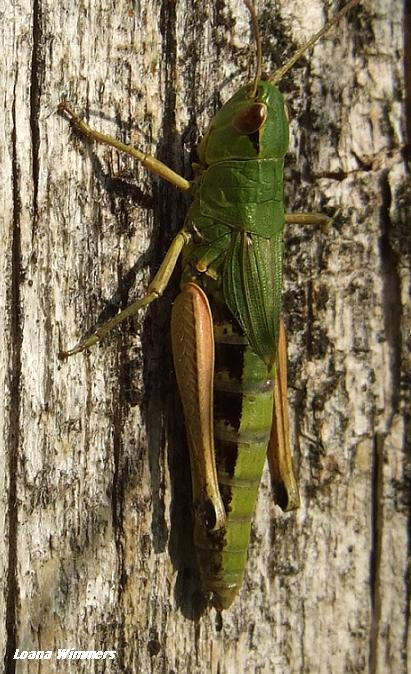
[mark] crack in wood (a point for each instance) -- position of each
(14, 378)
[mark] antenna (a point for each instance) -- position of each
(287, 66)
(253, 14)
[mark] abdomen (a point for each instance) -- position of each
(243, 407)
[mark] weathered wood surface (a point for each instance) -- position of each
(95, 488)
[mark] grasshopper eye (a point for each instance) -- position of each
(250, 118)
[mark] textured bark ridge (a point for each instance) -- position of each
(95, 498)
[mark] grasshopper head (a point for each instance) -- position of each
(253, 124)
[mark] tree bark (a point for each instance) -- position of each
(96, 485)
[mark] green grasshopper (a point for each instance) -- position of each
(228, 339)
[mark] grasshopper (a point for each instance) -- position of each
(228, 338)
